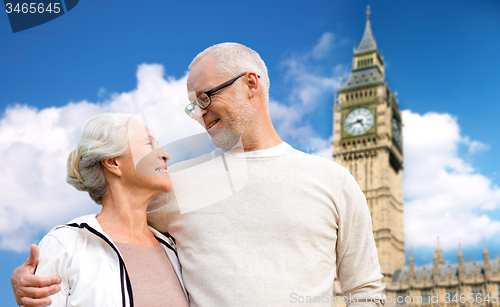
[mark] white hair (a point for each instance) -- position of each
(233, 59)
(103, 137)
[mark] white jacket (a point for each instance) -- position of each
(91, 267)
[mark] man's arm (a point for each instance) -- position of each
(31, 290)
(357, 261)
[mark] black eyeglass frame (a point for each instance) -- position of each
(209, 93)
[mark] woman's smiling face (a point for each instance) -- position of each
(148, 161)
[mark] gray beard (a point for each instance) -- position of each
(225, 138)
(228, 138)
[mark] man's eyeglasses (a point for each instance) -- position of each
(203, 100)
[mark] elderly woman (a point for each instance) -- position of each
(114, 258)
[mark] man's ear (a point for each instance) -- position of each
(113, 165)
(253, 84)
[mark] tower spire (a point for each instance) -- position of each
(367, 64)
(485, 249)
(437, 260)
(486, 259)
(438, 254)
(367, 42)
(411, 273)
(461, 264)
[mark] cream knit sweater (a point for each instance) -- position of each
(292, 224)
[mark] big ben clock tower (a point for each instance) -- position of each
(367, 141)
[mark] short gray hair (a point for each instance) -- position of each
(233, 59)
(104, 136)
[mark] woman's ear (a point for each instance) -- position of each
(113, 165)
(253, 84)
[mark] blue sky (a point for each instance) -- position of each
(440, 57)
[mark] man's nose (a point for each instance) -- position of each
(198, 114)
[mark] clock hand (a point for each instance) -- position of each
(360, 121)
(350, 124)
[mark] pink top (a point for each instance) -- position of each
(154, 282)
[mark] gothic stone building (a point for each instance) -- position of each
(367, 140)
(471, 283)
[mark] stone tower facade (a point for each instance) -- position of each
(367, 140)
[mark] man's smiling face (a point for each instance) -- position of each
(229, 110)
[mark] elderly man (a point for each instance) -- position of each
(299, 222)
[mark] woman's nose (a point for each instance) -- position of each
(163, 155)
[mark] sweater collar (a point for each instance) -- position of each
(277, 150)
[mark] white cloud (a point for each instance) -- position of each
(475, 146)
(324, 46)
(34, 145)
(444, 195)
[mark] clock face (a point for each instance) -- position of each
(395, 130)
(358, 121)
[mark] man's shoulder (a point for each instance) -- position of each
(314, 160)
